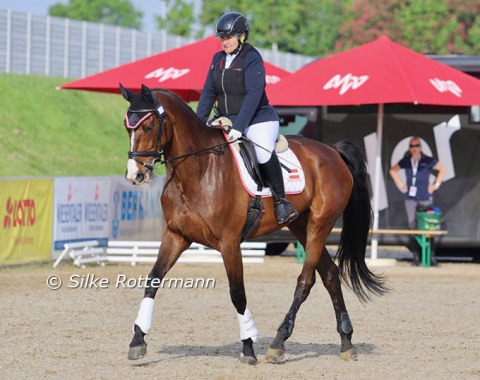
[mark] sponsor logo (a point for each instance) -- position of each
(20, 213)
(164, 74)
(69, 212)
(446, 86)
(272, 79)
(132, 206)
(345, 83)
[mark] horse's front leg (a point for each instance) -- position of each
(170, 250)
(232, 259)
(331, 280)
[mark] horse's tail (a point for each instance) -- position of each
(357, 218)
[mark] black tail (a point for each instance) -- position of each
(357, 219)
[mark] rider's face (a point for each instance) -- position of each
(229, 43)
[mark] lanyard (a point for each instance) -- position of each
(414, 171)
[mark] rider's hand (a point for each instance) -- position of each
(234, 135)
(222, 122)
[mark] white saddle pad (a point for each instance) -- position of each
(294, 181)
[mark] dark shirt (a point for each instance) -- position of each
(240, 89)
(424, 169)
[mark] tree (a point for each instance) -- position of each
(112, 12)
(426, 26)
(178, 19)
(306, 27)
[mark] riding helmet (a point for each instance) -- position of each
(232, 23)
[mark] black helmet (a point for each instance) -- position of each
(232, 23)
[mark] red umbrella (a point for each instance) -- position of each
(182, 70)
(378, 72)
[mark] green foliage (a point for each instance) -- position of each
(112, 12)
(309, 27)
(426, 26)
(180, 18)
(49, 132)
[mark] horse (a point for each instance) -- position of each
(203, 201)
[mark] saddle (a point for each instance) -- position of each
(246, 149)
(247, 152)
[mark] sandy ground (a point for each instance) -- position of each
(426, 328)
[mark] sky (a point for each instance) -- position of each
(150, 8)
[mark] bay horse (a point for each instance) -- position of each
(204, 201)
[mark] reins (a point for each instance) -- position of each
(217, 149)
(159, 154)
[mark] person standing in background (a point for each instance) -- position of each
(418, 190)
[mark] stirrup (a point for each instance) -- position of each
(285, 212)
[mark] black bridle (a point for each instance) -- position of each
(158, 153)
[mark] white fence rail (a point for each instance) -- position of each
(134, 252)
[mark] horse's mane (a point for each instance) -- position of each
(176, 100)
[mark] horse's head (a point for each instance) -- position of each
(145, 124)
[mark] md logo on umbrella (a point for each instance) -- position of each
(165, 74)
(345, 83)
(446, 85)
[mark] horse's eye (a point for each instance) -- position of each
(149, 128)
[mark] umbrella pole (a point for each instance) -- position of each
(376, 183)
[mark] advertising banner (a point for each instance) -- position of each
(80, 210)
(135, 211)
(26, 217)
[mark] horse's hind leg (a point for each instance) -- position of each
(172, 247)
(330, 276)
(305, 281)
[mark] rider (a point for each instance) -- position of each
(237, 78)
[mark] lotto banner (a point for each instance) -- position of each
(80, 211)
(26, 215)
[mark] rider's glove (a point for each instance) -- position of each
(234, 135)
(222, 122)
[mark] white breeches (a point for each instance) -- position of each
(264, 135)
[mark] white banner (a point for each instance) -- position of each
(103, 208)
(80, 210)
(135, 211)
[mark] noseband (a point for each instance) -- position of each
(157, 154)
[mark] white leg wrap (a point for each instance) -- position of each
(144, 317)
(247, 328)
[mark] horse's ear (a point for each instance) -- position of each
(126, 93)
(149, 96)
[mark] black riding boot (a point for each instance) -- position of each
(285, 212)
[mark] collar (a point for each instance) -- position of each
(239, 47)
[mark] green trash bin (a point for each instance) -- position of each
(429, 221)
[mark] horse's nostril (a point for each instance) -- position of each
(140, 177)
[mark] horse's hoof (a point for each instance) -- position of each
(275, 355)
(137, 352)
(249, 360)
(350, 354)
